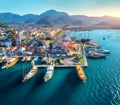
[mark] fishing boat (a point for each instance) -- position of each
(80, 73)
(49, 73)
(93, 55)
(30, 74)
(10, 62)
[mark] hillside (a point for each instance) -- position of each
(53, 17)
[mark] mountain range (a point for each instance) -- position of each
(53, 17)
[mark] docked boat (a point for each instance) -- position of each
(32, 72)
(2, 57)
(100, 51)
(49, 73)
(44, 60)
(10, 62)
(95, 55)
(80, 73)
(26, 58)
(36, 58)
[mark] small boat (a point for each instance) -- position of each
(36, 58)
(2, 57)
(104, 38)
(44, 60)
(26, 58)
(49, 73)
(80, 73)
(10, 62)
(95, 55)
(100, 51)
(32, 72)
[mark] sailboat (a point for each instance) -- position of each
(10, 62)
(49, 73)
(30, 74)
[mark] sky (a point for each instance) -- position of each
(72, 7)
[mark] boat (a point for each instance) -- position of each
(93, 55)
(36, 58)
(2, 57)
(26, 58)
(30, 74)
(49, 73)
(87, 40)
(10, 62)
(100, 51)
(104, 38)
(80, 73)
(44, 60)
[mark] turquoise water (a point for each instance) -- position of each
(101, 88)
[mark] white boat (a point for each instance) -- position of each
(36, 58)
(101, 51)
(49, 73)
(2, 57)
(26, 58)
(32, 72)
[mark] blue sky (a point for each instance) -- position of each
(72, 7)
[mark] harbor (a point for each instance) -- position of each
(99, 72)
(60, 50)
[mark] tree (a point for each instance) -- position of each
(51, 45)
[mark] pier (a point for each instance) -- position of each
(58, 66)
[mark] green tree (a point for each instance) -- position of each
(51, 45)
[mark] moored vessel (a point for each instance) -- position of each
(80, 73)
(93, 55)
(49, 73)
(10, 62)
(30, 74)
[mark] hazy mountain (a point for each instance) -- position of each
(53, 17)
(53, 14)
(11, 18)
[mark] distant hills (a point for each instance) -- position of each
(53, 17)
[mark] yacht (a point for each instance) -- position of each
(49, 73)
(80, 73)
(93, 55)
(30, 74)
(10, 62)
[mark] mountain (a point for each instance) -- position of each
(53, 14)
(11, 18)
(53, 17)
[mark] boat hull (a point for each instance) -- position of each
(80, 73)
(32, 72)
(13, 63)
